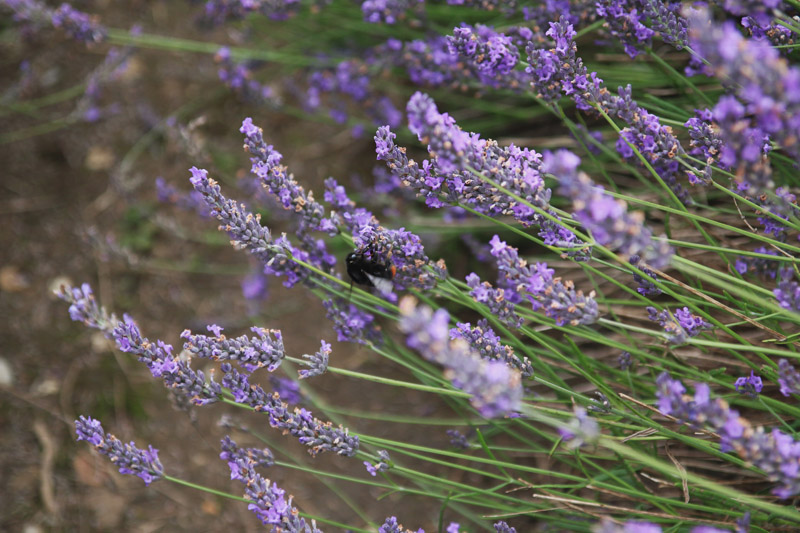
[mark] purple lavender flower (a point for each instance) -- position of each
(788, 378)
(386, 11)
(83, 307)
(762, 80)
(758, 265)
(502, 527)
(239, 78)
(176, 372)
(560, 70)
(350, 80)
(559, 300)
(254, 352)
(495, 388)
(606, 217)
(493, 55)
(626, 23)
(788, 294)
(318, 362)
(749, 385)
(757, 9)
(680, 326)
(494, 299)
(247, 232)
(625, 361)
(381, 466)
(269, 501)
(311, 432)
(242, 460)
(581, 429)
(461, 159)
(391, 525)
(458, 439)
(351, 323)
(129, 458)
(775, 453)
(646, 286)
(485, 341)
(78, 25)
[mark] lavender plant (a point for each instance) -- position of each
(610, 227)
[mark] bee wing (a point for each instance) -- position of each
(383, 285)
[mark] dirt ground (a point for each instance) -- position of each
(62, 194)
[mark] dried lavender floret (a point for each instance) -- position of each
(130, 459)
(495, 388)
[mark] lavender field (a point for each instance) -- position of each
(400, 266)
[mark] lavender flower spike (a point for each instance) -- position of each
(318, 362)
(246, 231)
(255, 352)
(84, 308)
(269, 501)
(774, 452)
(606, 217)
(129, 458)
(300, 423)
(495, 388)
(788, 378)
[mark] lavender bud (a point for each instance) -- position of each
(750, 386)
(485, 341)
(129, 458)
(318, 362)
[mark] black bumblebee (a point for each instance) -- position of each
(368, 271)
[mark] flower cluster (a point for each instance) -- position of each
(788, 294)
(485, 341)
(269, 501)
(749, 385)
(312, 432)
(130, 459)
(76, 24)
(774, 452)
(495, 299)
(606, 217)
(247, 233)
(254, 352)
(558, 300)
(680, 326)
(460, 169)
(490, 55)
(788, 378)
(386, 11)
(83, 307)
(759, 266)
(495, 388)
(351, 323)
(239, 77)
(560, 71)
(768, 88)
(318, 362)
(646, 286)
